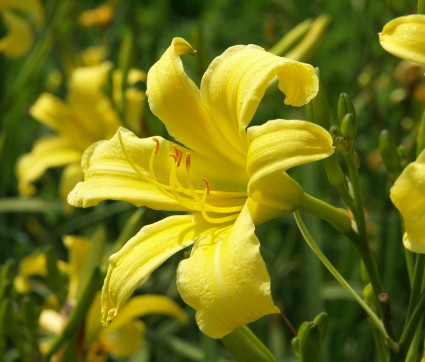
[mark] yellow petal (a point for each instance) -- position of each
(225, 279)
(175, 100)
(19, 36)
(126, 340)
(134, 108)
(142, 305)
(235, 82)
(47, 152)
(276, 146)
(78, 249)
(275, 194)
(70, 177)
(30, 266)
(404, 37)
(408, 195)
(109, 175)
(59, 116)
(51, 321)
(87, 98)
(145, 252)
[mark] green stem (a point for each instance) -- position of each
(246, 347)
(373, 317)
(421, 7)
(411, 327)
(418, 275)
(363, 247)
(338, 218)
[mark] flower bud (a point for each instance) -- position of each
(310, 342)
(349, 126)
(345, 105)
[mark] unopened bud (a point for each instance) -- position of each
(345, 105)
(349, 126)
(310, 342)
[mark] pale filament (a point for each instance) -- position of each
(188, 198)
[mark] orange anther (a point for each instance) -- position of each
(179, 154)
(156, 140)
(207, 184)
(173, 156)
(187, 160)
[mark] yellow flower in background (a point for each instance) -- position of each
(121, 338)
(87, 115)
(100, 16)
(19, 35)
(404, 37)
(408, 195)
(229, 177)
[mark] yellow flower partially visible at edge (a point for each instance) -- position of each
(19, 35)
(408, 195)
(229, 177)
(404, 37)
(87, 116)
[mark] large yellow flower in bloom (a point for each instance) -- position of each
(19, 35)
(229, 177)
(404, 37)
(408, 195)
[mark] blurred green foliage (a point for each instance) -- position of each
(350, 59)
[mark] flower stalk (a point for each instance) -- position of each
(373, 317)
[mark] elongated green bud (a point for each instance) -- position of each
(292, 37)
(318, 107)
(420, 141)
(310, 342)
(389, 154)
(349, 126)
(322, 323)
(295, 342)
(345, 105)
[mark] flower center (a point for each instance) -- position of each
(187, 196)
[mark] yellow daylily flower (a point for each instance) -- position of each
(230, 177)
(88, 115)
(19, 36)
(408, 195)
(404, 37)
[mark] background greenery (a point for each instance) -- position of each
(350, 59)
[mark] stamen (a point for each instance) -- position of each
(156, 140)
(152, 180)
(207, 184)
(213, 220)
